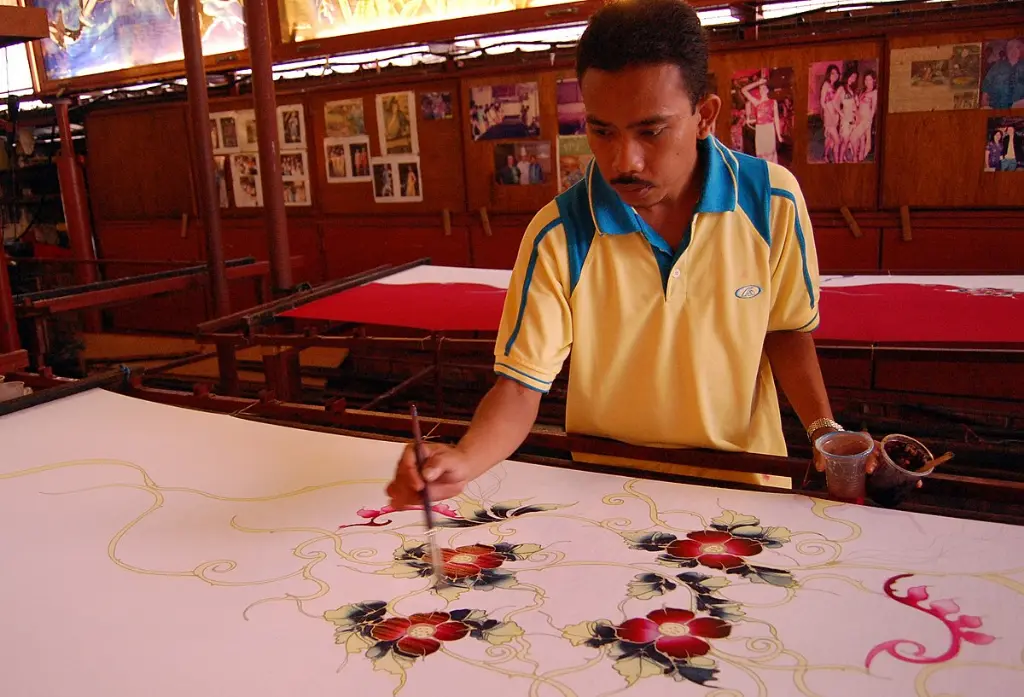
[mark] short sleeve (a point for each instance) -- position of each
(535, 334)
(794, 261)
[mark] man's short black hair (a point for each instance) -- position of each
(628, 33)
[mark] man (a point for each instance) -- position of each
(1003, 85)
(681, 274)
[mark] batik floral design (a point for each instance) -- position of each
(375, 514)
(960, 629)
(668, 641)
(468, 514)
(727, 546)
(394, 643)
(476, 567)
(703, 587)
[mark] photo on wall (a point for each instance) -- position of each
(522, 164)
(504, 111)
(245, 175)
(396, 123)
(227, 123)
(247, 131)
(842, 111)
(934, 78)
(1004, 144)
(293, 164)
(574, 156)
(347, 159)
(220, 175)
(383, 180)
(436, 106)
(344, 118)
(761, 117)
(291, 127)
(296, 192)
(1002, 74)
(572, 113)
(214, 135)
(409, 184)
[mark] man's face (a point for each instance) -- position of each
(1013, 51)
(643, 130)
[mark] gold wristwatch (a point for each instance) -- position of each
(822, 423)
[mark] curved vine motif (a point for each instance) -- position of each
(960, 629)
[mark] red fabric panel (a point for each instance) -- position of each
(883, 313)
(904, 313)
(430, 306)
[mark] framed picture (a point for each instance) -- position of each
(396, 123)
(291, 127)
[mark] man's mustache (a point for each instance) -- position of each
(628, 180)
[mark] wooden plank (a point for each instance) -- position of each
(21, 24)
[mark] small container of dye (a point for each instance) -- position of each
(900, 467)
(11, 390)
(846, 456)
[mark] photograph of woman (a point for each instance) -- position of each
(841, 109)
(762, 113)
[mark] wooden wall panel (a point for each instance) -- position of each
(497, 250)
(440, 142)
(840, 252)
(138, 163)
(958, 250)
(824, 186)
(483, 191)
(354, 244)
(936, 159)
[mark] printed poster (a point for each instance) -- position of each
(522, 164)
(761, 118)
(396, 124)
(842, 111)
(499, 112)
(397, 179)
(934, 78)
(344, 118)
(347, 159)
(1004, 144)
(291, 126)
(574, 156)
(245, 177)
(1002, 74)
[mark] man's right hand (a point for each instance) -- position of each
(446, 469)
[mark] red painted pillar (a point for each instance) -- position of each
(257, 27)
(9, 340)
(199, 110)
(76, 210)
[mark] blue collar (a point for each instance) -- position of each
(612, 216)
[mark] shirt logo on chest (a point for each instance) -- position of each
(747, 292)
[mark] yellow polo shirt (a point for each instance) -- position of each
(667, 345)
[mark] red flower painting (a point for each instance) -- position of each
(419, 635)
(469, 567)
(670, 641)
(714, 549)
(676, 633)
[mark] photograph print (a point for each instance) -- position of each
(521, 164)
(396, 123)
(435, 106)
(761, 118)
(504, 111)
(409, 186)
(245, 176)
(934, 78)
(344, 118)
(337, 162)
(1002, 69)
(247, 130)
(842, 109)
(383, 181)
(359, 159)
(291, 127)
(572, 114)
(296, 192)
(347, 159)
(228, 132)
(1004, 146)
(293, 165)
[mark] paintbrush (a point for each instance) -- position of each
(435, 552)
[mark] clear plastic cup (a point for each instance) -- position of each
(846, 456)
(11, 390)
(891, 481)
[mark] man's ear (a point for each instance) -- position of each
(708, 110)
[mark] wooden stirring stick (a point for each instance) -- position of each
(932, 464)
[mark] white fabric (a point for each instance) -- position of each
(428, 273)
(150, 550)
